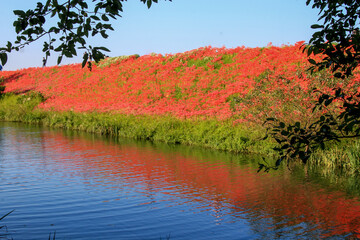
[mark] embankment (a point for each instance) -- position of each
(211, 97)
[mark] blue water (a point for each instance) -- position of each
(83, 186)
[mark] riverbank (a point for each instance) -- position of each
(210, 133)
(211, 97)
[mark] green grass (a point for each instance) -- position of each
(342, 158)
(209, 133)
(111, 60)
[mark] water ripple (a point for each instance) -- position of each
(88, 188)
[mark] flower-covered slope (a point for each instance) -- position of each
(240, 83)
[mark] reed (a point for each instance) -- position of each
(342, 158)
(4, 233)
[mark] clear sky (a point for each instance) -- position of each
(180, 25)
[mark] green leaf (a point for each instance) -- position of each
(42, 19)
(95, 17)
(9, 46)
(53, 13)
(149, 2)
(89, 65)
(103, 48)
(328, 102)
(103, 34)
(278, 162)
(85, 59)
(315, 26)
(47, 5)
(293, 140)
(284, 133)
(338, 75)
(59, 59)
(83, 4)
(19, 13)
(104, 17)
(68, 54)
(265, 137)
(285, 146)
(312, 61)
(270, 119)
(3, 57)
(309, 51)
(261, 166)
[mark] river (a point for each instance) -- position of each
(84, 186)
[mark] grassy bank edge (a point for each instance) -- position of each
(209, 133)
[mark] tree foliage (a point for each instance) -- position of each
(75, 21)
(338, 41)
(338, 38)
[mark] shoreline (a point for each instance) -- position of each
(206, 133)
(215, 98)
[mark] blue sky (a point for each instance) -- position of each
(180, 25)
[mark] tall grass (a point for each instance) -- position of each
(342, 158)
(223, 135)
(209, 133)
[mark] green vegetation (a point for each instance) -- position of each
(342, 158)
(339, 158)
(337, 37)
(74, 19)
(337, 41)
(111, 60)
(207, 133)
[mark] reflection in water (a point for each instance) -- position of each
(140, 190)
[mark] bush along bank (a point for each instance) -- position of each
(212, 97)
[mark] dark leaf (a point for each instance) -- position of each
(20, 13)
(284, 133)
(85, 59)
(104, 17)
(315, 26)
(278, 162)
(149, 2)
(312, 61)
(95, 17)
(42, 19)
(338, 75)
(285, 146)
(4, 58)
(59, 59)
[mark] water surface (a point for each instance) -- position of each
(89, 187)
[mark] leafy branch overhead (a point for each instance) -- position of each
(338, 37)
(338, 42)
(76, 20)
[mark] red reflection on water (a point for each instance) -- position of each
(220, 183)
